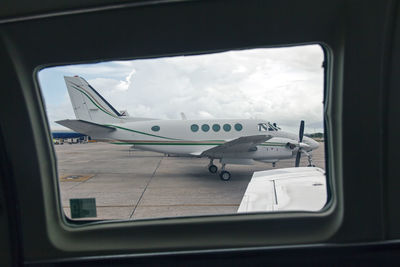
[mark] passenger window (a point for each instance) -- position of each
(155, 128)
(238, 127)
(227, 127)
(194, 127)
(216, 127)
(205, 127)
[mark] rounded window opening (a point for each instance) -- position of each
(238, 127)
(227, 127)
(205, 127)
(155, 128)
(194, 127)
(216, 127)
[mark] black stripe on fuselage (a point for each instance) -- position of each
(102, 98)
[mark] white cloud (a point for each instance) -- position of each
(59, 112)
(283, 85)
(124, 85)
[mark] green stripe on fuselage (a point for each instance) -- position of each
(185, 144)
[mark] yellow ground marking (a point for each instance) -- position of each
(75, 177)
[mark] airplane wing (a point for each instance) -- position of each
(239, 145)
(86, 127)
(295, 189)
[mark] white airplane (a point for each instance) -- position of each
(240, 141)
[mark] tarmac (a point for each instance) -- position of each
(132, 184)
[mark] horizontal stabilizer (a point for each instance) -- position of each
(86, 127)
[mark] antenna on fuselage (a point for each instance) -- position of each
(183, 116)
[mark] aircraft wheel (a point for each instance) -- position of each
(225, 176)
(212, 168)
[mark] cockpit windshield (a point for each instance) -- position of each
(270, 127)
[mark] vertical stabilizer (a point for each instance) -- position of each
(89, 105)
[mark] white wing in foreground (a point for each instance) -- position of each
(289, 189)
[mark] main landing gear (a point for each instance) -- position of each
(212, 168)
(224, 175)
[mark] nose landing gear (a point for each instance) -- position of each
(212, 169)
(309, 157)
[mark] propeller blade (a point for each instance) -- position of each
(298, 155)
(301, 131)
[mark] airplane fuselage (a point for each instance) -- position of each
(232, 141)
(191, 137)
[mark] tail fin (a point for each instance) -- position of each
(89, 105)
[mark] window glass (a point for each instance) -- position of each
(205, 127)
(194, 127)
(227, 127)
(216, 127)
(268, 127)
(155, 128)
(238, 127)
(125, 167)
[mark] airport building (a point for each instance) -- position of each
(61, 137)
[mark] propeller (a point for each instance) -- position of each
(301, 134)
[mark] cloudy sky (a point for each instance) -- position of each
(282, 85)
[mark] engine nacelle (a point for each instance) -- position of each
(290, 145)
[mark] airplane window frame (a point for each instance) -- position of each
(249, 217)
(203, 232)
